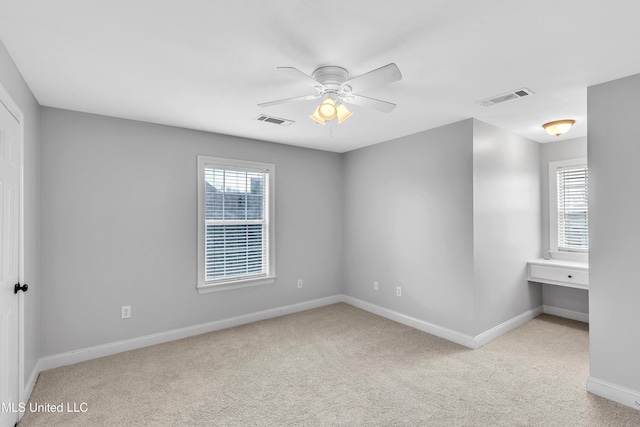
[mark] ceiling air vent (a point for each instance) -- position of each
(520, 93)
(274, 120)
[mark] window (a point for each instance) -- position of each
(569, 208)
(235, 227)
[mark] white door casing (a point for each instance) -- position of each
(10, 265)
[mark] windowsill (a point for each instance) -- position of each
(227, 286)
(570, 256)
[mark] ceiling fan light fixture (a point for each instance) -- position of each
(335, 87)
(343, 113)
(327, 110)
(316, 117)
(558, 127)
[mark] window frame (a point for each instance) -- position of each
(554, 251)
(204, 285)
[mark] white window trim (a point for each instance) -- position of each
(205, 286)
(553, 211)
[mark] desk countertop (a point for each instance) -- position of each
(579, 265)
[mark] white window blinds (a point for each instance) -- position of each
(236, 223)
(573, 214)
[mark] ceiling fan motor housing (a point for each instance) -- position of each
(331, 77)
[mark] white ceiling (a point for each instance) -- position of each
(207, 64)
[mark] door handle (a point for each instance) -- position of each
(22, 288)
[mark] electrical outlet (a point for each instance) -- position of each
(375, 286)
(299, 283)
(126, 311)
(398, 291)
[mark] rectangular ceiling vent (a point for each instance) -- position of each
(516, 94)
(274, 120)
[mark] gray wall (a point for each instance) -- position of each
(119, 228)
(557, 296)
(506, 224)
(408, 218)
(12, 81)
(452, 215)
(614, 229)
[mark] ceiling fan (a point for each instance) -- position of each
(333, 85)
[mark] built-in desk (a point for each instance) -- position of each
(559, 272)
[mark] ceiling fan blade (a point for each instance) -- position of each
(378, 77)
(372, 103)
(296, 74)
(283, 101)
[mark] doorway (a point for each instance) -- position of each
(11, 290)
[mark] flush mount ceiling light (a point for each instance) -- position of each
(558, 127)
(328, 111)
(333, 85)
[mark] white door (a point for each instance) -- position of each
(9, 264)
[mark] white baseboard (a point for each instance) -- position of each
(430, 328)
(29, 385)
(497, 331)
(605, 389)
(442, 332)
(614, 392)
(31, 382)
(568, 314)
(81, 355)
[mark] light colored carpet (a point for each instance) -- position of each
(337, 366)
